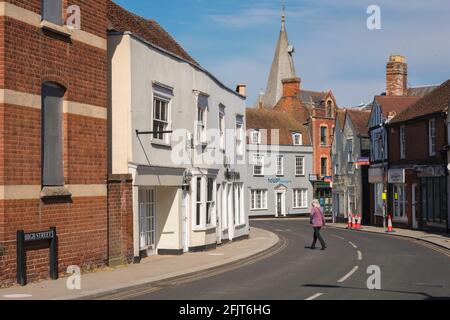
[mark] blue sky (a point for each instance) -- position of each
(235, 40)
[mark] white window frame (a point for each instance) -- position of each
(297, 139)
(256, 137)
(297, 173)
(258, 161)
(201, 125)
(262, 205)
(203, 202)
(400, 205)
(300, 198)
(402, 142)
(350, 150)
(239, 136)
(222, 130)
(432, 137)
(280, 165)
(167, 123)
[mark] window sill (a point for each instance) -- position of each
(260, 209)
(55, 192)
(241, 225)
(161, 144)
(203, 229)
(299, 208)
(61, 30)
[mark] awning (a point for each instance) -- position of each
(159, 176)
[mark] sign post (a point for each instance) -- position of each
(36, 240)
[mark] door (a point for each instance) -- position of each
(219, 214)
(185, 222)
(415, 202)
(280, 204)
(147, 219)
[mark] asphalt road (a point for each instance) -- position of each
(409, 270)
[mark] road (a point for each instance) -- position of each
(409, 270)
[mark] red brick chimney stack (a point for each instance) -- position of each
(291, 87)
(396, 76)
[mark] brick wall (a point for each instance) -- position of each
(319, 150)
(417, 142)
(120, 219)
(30, 56)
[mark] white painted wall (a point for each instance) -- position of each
(135, 65)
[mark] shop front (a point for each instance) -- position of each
(433, 189)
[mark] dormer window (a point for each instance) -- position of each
(330, 109)
(297, 139)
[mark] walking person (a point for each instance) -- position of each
(317, 221)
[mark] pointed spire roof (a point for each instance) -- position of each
(282, 67)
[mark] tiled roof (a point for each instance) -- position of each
(341, 116)
(262, 118)
(395, 104)
(436, 101)
(122, 20)
(360, 120)
(313, 98)
(421, 91)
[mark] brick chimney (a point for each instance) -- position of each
(291, 87)
(396, 76)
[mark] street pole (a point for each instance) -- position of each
(385, 182)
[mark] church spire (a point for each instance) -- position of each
(282, 66)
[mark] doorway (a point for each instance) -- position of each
(415, 190)
(147, 220)
(280, 202)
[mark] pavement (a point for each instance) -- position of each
(439, 239)
(354, 264)
(151, 270)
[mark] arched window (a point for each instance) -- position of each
(330, 109)
(52, 134)
(52, 11)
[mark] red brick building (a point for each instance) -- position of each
(418, 162)
(53, 133)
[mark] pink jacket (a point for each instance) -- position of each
(317, 218)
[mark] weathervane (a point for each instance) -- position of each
(283, 14)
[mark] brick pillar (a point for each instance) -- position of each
(120, 219)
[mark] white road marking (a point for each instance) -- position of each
(17, 296)
(353, 245)
(288, 230)
(360, 255)
(348, 275)
(314, 296)
(336, 236)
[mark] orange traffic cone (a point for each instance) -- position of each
(390, 228)
(358, 222)
(353, 222)
(349, 223)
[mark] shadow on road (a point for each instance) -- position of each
(423, 294)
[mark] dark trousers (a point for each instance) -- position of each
(317, 235)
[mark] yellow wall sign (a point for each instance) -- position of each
(384, 196)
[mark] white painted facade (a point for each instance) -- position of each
(145, 80)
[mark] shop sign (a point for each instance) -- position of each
(375, 175)
(396, 176)
(313, 177)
